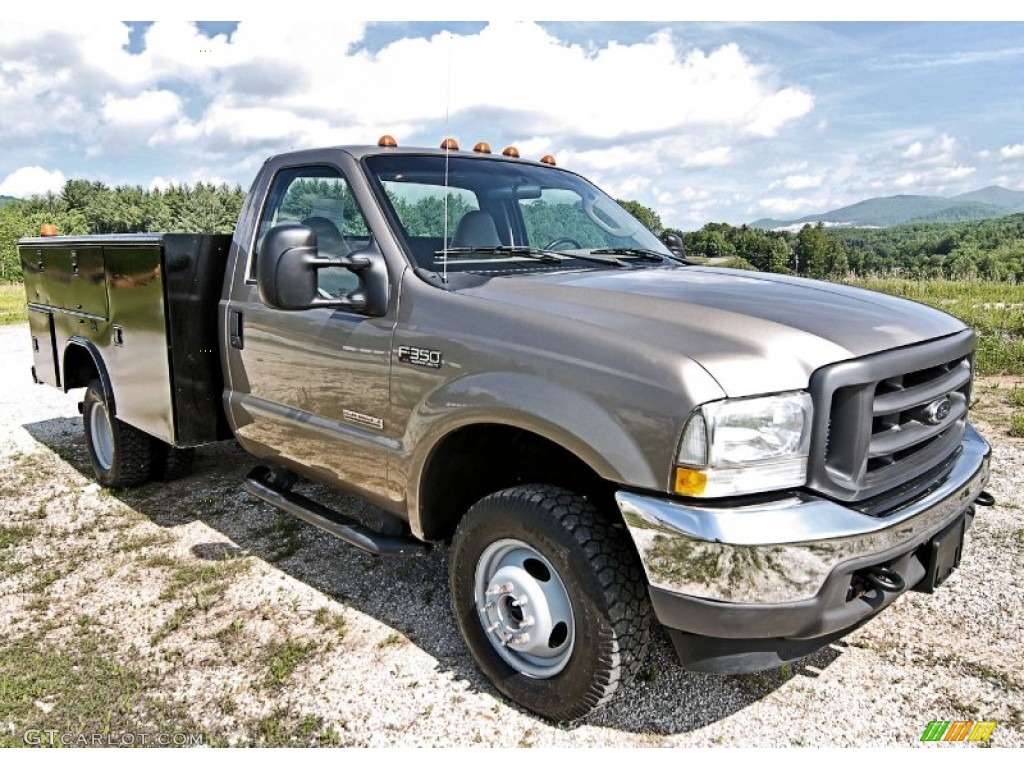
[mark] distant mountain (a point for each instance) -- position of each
(987, 203)
(5, 199)
(1006, 198)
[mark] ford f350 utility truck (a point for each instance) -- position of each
(497, 355)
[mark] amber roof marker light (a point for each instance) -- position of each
(387, 140)
(450, 144)
(548, 160)
(48, 230)
(482, 147)
(510, 152)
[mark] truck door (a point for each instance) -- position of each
(310, 389)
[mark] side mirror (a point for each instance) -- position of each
(674, 243)
(286, 273)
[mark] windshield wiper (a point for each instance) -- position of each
(511, 250)
(530, 252)
(644, 254)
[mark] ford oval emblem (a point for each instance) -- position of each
(938, 410)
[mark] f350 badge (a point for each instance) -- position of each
(427, 358)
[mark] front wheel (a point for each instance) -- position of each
(121, 455)
(550, 599)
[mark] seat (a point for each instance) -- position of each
(476, 229)
(329, 240)
(333, 282)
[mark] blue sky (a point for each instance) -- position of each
(701, 121)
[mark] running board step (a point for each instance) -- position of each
(345, 528)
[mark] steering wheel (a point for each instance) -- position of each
(562, 241)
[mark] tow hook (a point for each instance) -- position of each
(985, 499)
(878, 578)
(883, 578)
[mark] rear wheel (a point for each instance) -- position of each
(550, 599)
(121, 455)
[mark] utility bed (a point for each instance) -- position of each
(143, 307)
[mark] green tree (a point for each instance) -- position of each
(818, 255)
(644, 215)
(711, 241)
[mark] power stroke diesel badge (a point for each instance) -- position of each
(427, 358)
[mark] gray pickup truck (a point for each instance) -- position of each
(498, 356)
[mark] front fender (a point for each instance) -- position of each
(573, 420)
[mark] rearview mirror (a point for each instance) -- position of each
(674, 243)
(287, 266)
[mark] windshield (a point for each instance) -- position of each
(504, 215)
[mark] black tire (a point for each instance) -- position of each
(121, 455)
(591, 559)
(170, 463)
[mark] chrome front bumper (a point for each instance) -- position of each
(783, 551)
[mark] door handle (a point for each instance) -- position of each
(235, 328)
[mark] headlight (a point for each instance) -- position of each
(755, 444)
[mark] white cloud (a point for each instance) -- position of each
(1012, 152)
(786, 205)
(31, 180)
(954, 173)
(779, 108)
(606, 109)
(147, 109)
(797, 182)
(914, 150)
(709, 158)
(408, 83)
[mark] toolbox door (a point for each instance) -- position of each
(44, 347)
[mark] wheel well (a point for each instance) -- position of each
(480, 459)
(79, 367)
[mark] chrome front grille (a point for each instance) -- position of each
(887, 420)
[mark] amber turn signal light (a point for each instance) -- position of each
(689, 482)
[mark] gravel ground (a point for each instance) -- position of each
(257, 629)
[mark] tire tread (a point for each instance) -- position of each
(605, 546)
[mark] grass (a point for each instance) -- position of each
(328, 620)
(12, 303)
(283, 729)
(994, 310)
(284, 659)
(82, 688)
(198, 588)
(11, 535)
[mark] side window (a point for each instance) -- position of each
(318, 197)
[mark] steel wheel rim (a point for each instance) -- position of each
(524, 608)
(102, 435)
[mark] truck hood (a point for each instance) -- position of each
(752, 332)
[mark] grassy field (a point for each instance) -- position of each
(12, 303)
(994, 310)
